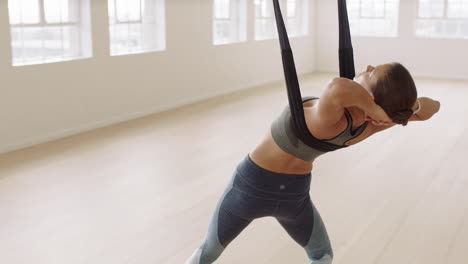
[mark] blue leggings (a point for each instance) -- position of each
(254, 192)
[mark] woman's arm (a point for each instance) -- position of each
(342, 93)
(352, 94)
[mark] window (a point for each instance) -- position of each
(374, 17)
(230, 21)
(265, 24)
(136, 26)
(44, 31)
(442, 19)
(295, 15)
(297, 18)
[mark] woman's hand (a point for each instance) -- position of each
(429, 107)
(379, 117)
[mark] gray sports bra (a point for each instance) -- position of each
(284, 136)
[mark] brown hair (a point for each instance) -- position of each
(396, 93)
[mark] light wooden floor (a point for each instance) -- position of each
(143, 192)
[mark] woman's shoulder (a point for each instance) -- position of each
(351, 116)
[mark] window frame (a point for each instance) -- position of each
(386, 16)
(373, 17)
(43, 24)
(303, 18)
(445, 17)
(288, 9)
(118, 21)
(230, 16)
(43, 21)
(302, 14)
(234, 20)
(261, 16)
(160, 47)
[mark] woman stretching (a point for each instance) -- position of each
(274, 179)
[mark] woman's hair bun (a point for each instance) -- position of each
(402, 117)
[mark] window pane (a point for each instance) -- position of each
(267, 8)
(14, 10)
(222, 31)
(373, 8)
(265, 25)
(52, 39)
(464, 29)
(442, 28)
(230, 27)
(136, 26)
(291, 6)
(374, 17)
(298, 19)
(111, 10)
(457, 9)
(30, 11)
(222, 9)
(264, 8)
(149, 37)
(27, 44)
(265, 29)
(128, 10)
(17, 42)
(71, 41)
(120, 39)
(56, 39)
(440, 21)
(135, 32)
(24, 11)
(431, 8)
(56, 11)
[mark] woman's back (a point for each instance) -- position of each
(270, 156)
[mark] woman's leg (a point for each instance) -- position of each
(223, 228)
(238, 207)
(307, 228)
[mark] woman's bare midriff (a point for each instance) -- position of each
(270, 156)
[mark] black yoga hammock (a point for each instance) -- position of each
(292, 82)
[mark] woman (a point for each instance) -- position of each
(274, 179)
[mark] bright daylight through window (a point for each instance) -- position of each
(295, 14)
(229, 21)
(136, 26)
(376, 18)
(442, 19)
(45, 31)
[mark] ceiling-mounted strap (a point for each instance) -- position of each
(346, 55)
(294, 93)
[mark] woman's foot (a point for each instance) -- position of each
(195, 258)
(324, 260)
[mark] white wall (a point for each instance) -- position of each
(424, 57)
(44, 102)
